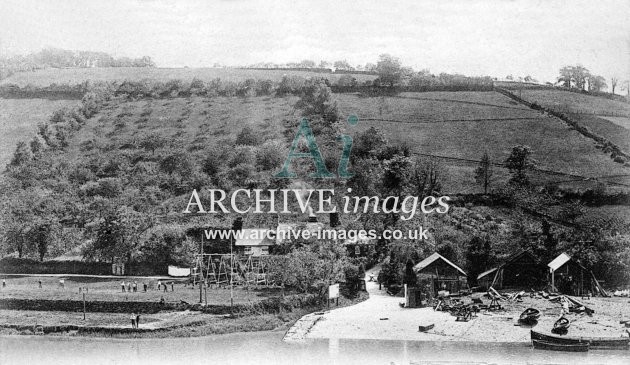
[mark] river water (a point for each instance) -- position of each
(268, 348)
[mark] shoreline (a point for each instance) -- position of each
(382, 318)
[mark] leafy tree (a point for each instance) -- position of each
(410, 277)
(247, 137)
(483, 173)
(152, 141)
(119, 233)
(21, 155)
(596, 83)
(342, 65)
(574, 76)
(318, 99)
(389, 69)
(519, 162)
(478, 256)
(307, 64)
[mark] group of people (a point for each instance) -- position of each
(135, 320)
(132, 287)
(163, 285)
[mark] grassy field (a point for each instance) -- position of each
(614, 132)
(19, 119)
(73, 76)
(566, 101)
(110, 290)
(465, 125)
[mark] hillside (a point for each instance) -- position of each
(607, 118)
(464, 125)
(19, 119)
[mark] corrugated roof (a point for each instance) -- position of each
(254, 237)
(562, 259)
(434, 257)
(486, 273)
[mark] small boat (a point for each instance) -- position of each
(530, 315)
(571, 347)
(426, 328)
(596, 343)
(561, 326)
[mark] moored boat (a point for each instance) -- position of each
(426, 328)
(530, 315)
(571, 347)
(561, 326)
(596, 343)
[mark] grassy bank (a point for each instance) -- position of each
(163, 324)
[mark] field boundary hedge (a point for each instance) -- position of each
(269, 305)
(616, 153)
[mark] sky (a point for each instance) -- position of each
(472, 37)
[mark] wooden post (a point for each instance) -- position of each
(84, 306)
(201, 270)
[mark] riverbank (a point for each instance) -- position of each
(382, 318)
(25, 309)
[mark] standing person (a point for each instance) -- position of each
(133, 320)
(165, 287)
(137, 320)
(122, 285)
(62, 283)
(159, 285)
(129, 286)
(172, 287)
(144, 286)
(40, 283)
(135, 286)
(4, 283)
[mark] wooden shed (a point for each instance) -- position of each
(520, 271)
(440, 274)
(568, 276)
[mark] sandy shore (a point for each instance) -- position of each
(381, 317)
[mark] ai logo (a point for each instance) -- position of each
(304, 130)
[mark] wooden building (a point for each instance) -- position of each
(568, 276)
(520, 271)
(438, 274)
(254, 242)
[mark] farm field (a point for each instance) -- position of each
(435, 123)
(110, 290)
(566, 101)
(620, 121)
(19, 119)
(74, 76)
(606, 128)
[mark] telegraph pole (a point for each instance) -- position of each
(201, 282)
(231, 267)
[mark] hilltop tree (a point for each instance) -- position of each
(574, 76)
(342, 65)
(483, 173)
(519, 162)
(596, 83)
(389, 69)
(613, 83)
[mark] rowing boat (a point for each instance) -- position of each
(596, 343)
(571, 347)
(530, 315)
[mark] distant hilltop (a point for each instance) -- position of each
(61, 58)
